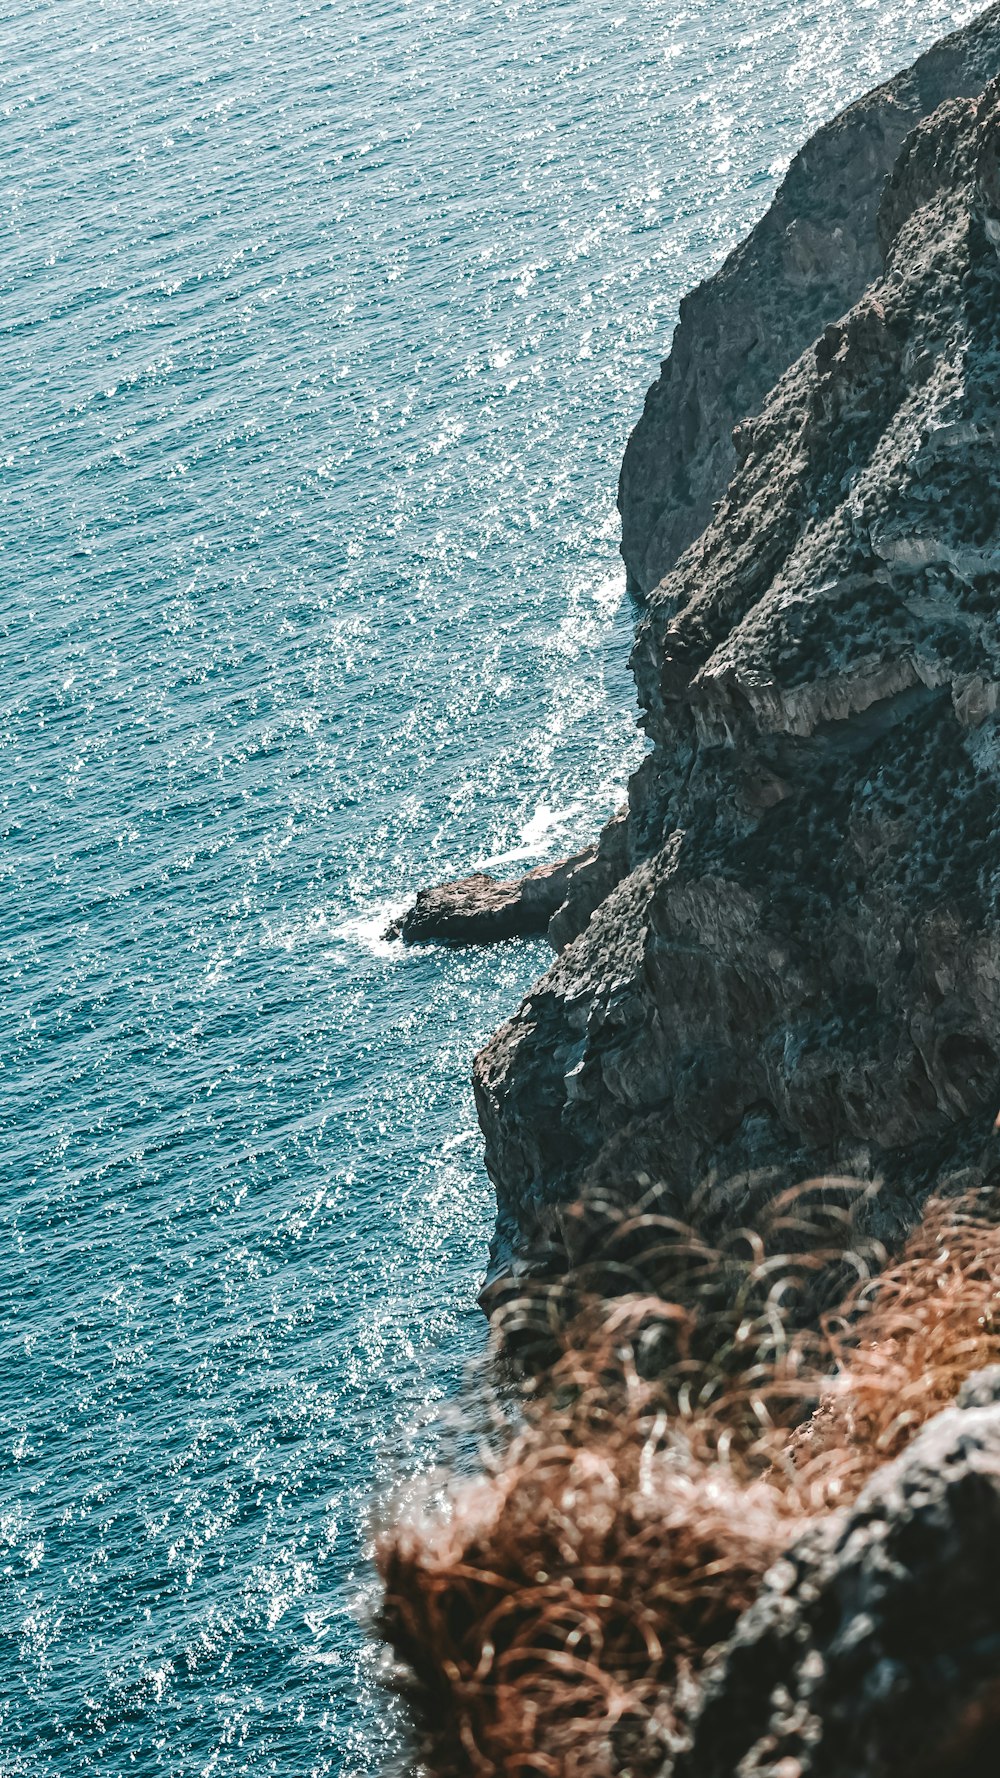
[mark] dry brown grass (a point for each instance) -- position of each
(675, 1442)
(901, 1349)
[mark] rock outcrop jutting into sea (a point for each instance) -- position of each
(786, 955)
(479, 909)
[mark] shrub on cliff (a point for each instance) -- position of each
(556, 1612)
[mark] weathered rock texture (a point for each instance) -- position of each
(800, 970)
(806, 263)
(874, 1648)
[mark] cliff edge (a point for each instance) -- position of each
(741, 1518)
(786, 959)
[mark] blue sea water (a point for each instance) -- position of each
(322, 329)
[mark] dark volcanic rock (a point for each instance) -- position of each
(874, 1648)
(479, 910)
(801, 969)
(804, 265)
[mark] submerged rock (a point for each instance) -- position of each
(791, 961)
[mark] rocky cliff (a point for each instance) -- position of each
(808, 260)
(786, 958)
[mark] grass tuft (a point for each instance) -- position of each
(683, 1412)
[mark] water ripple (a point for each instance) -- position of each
(323, 326)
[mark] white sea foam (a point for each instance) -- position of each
(367, 929)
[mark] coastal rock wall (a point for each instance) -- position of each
(800, 972)
(806, 263)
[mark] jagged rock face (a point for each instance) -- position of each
(873, 1649)
(802, 971)
(806, 263)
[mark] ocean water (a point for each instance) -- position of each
(322, 329)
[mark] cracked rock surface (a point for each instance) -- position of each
(799, 968)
